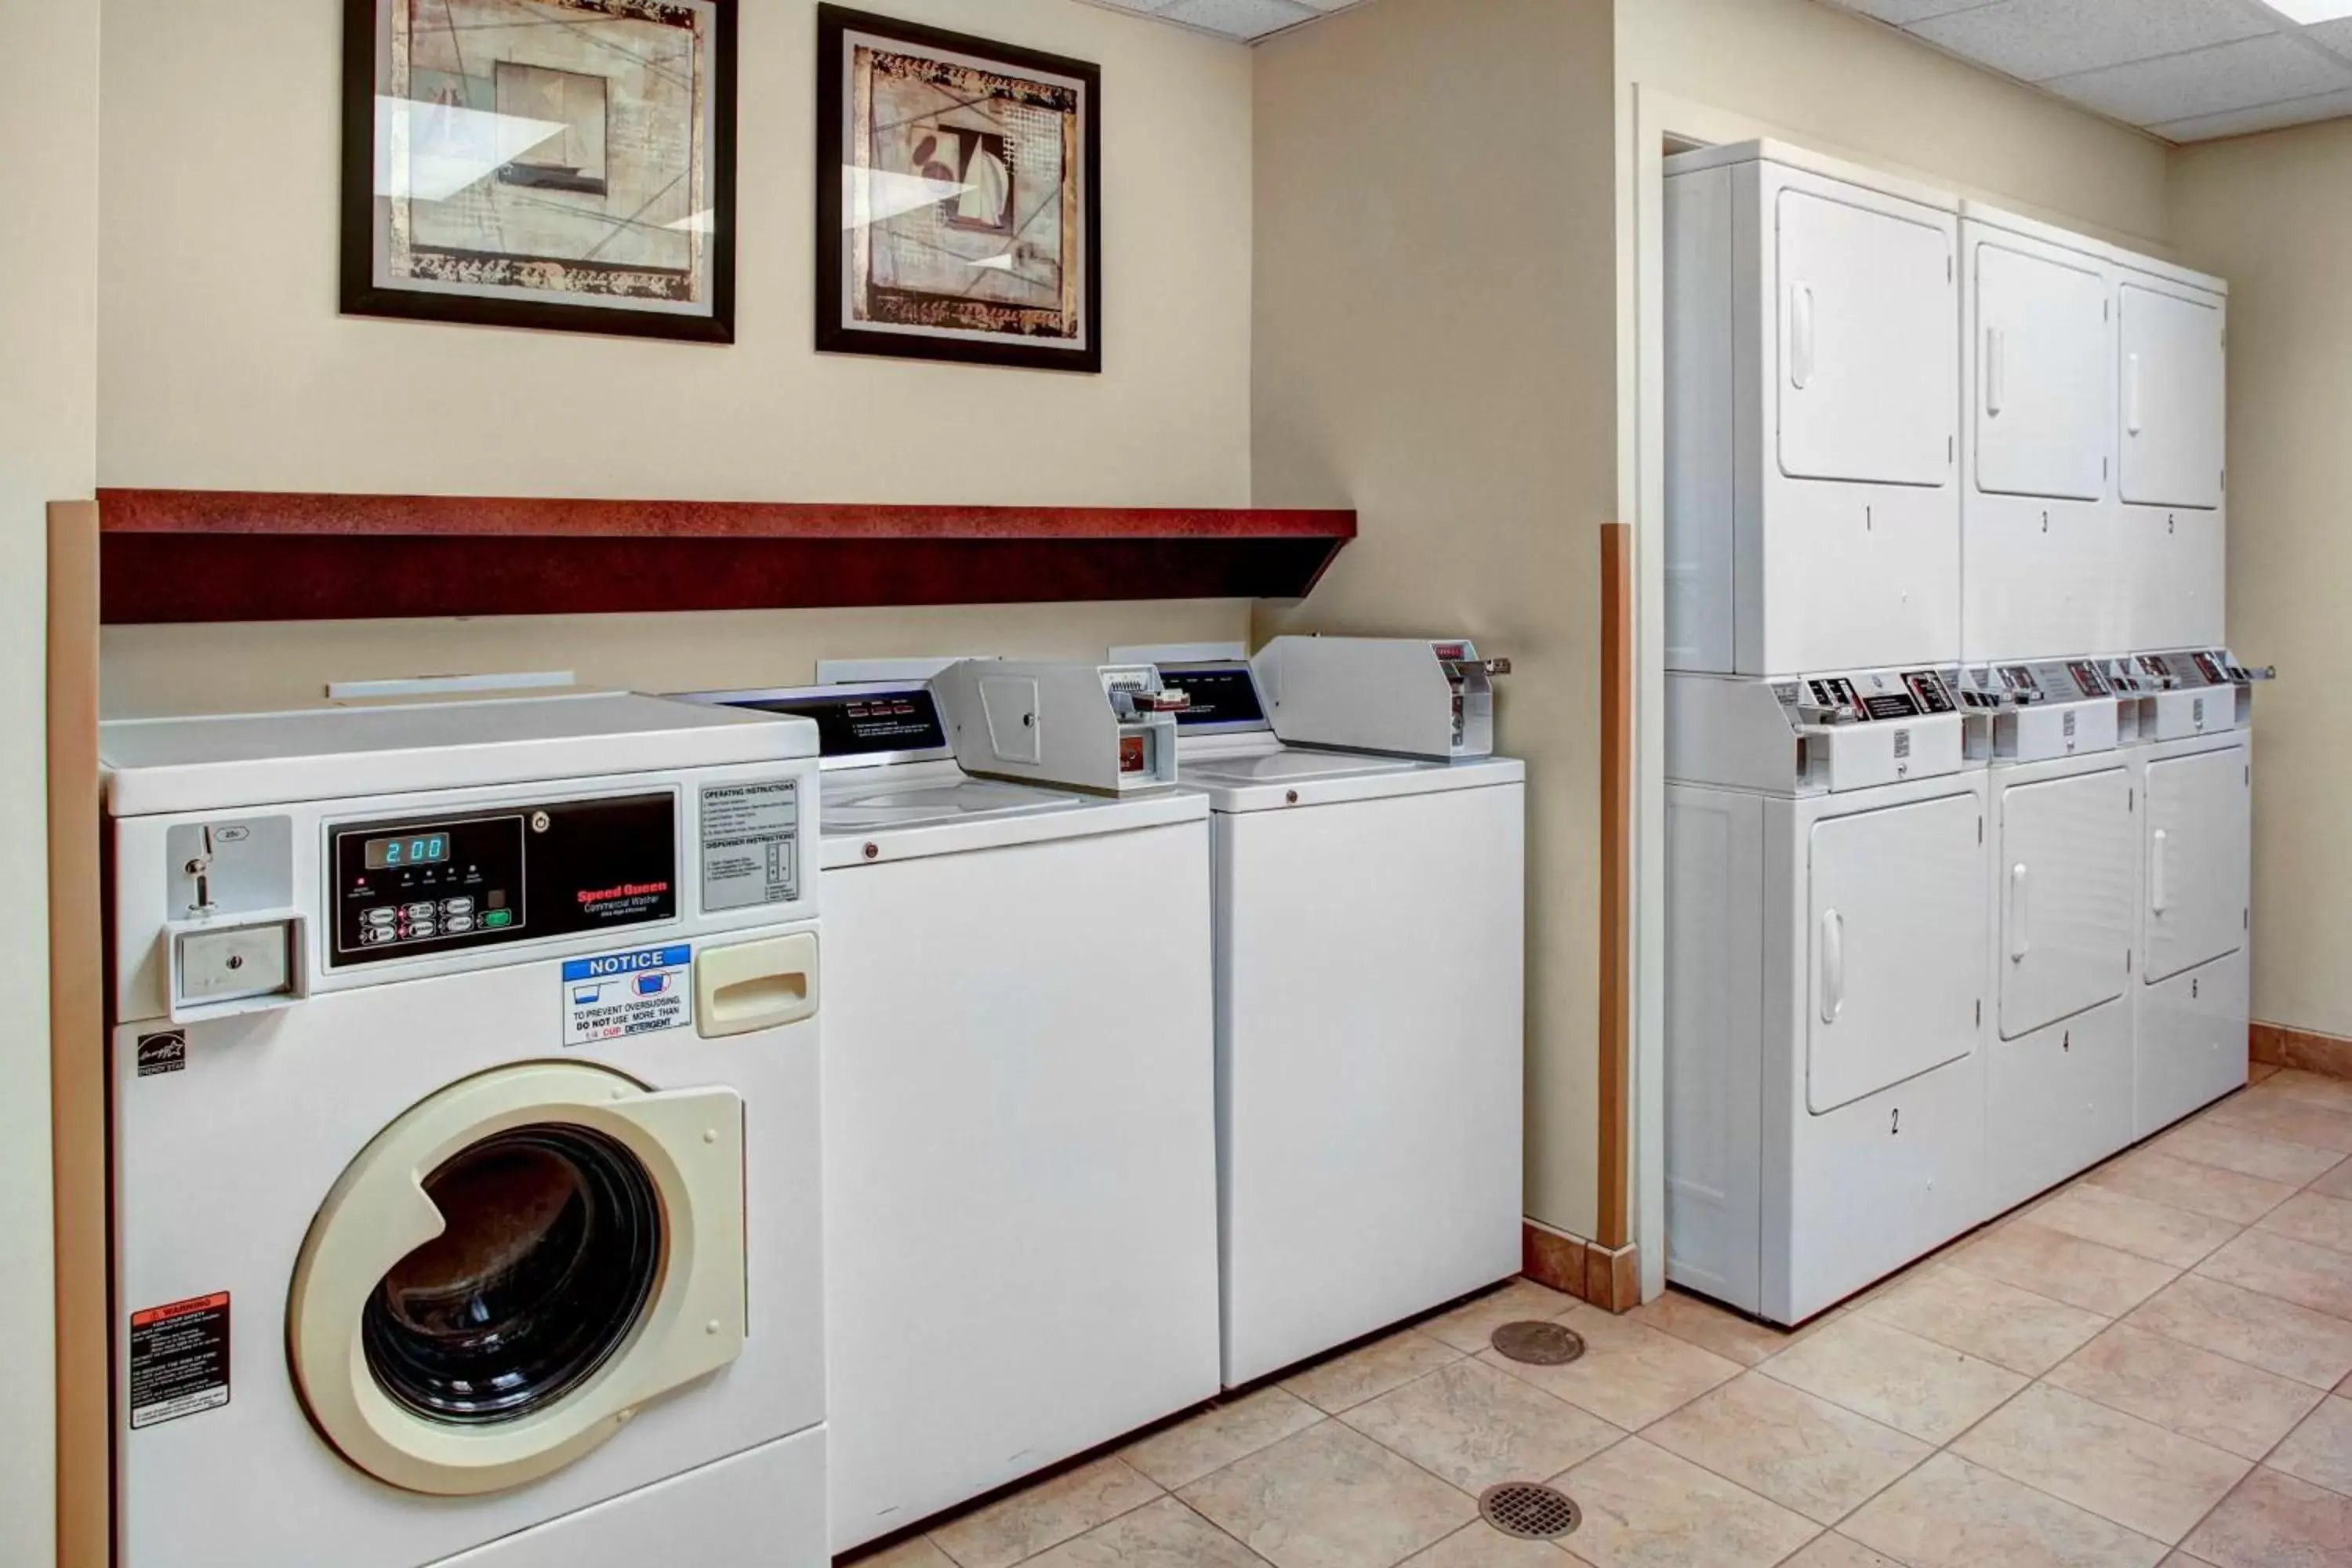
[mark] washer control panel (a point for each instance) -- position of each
(433, 884)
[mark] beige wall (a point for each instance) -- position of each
(1847, 85)
(48, 232)
(224, 365)
(1434, 321)
(2269, 213)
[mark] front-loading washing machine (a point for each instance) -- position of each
(2065, 873)
(1370, 926)
(2193, 764)
(1021, 1232)
(1827, 882)
(465, 1137)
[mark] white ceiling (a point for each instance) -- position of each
(1246, 19)
(2188, 70)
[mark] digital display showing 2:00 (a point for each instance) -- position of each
(409, 849)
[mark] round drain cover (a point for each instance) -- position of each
(1529, 1511)
(1538, 1343)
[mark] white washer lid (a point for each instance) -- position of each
(220, 761)
(1267, 779)
(873, 806)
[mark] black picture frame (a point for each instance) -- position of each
(835, 334)
(361, 295)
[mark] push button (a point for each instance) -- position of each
(457, 906)
(418, 912)
(381, 915)
(457, 925)
(494, 919)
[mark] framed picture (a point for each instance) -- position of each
(567, 165)
(959, 197)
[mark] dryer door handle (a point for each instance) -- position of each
(1832, 965)
(2019, 943)
(1996, 370)
(2131, 394)
(1800, 335)
(2157, 901)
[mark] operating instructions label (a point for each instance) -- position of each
(179, 1360)
(751, 844)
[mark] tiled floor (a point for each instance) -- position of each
(2153, 1365)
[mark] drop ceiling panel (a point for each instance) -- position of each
(1245, 19)
(2037, 39)
(2186, 69)
(2235, 76)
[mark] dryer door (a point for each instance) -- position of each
(2172, 394)
(1898, 934)
(2063, 886)
(508, 1270)
(1868, 339)
(2197, 852)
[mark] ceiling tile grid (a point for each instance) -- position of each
(1247, 20)
(2186, 70)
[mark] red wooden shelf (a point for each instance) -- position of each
(238, 555)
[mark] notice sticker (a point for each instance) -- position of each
(616, 995)
(164, 1051)
(179, 1360)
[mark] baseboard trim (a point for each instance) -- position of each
(1607, 1278)
(2306, 1048)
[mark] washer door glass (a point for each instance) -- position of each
(553, 1244)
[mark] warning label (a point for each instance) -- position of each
(616, 995)
(179, 1360)
(751, 843)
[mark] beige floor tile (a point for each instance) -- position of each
(2293, 1341)
(1712, 1328)
(2135, 1225)
(1162, 1534)
(1481, 1545)
(2314, 1217)
(2320, 1450)
(2274, 1521)
(2117, 1466)
(1930, 1391)
(2312, 1087)
(2336, 1182)
(1987, 1317)
(2257, 1071)
(1948, 1513)
(2194, 1392)
(2315, 1276)
(1803, 1452)
(2183, 1559)
(2248, 1154)
(2064, 1268)
(2208, 1190)
(1217, 1436)
(1629, 1376)
(1834, 1551)
(1047, 1514)
(1373, 1369)
(1475, 1426)
(1470, 1327)
(1329, 1496)
(1643, 1508)
(2283, 1118)
(917, 1553)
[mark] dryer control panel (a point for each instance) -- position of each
(433, 883)
(2046, 709)
(1819, 733)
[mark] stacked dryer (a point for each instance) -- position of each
(1826, 868)
(1945, 595)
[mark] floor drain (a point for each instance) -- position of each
(1539, 1344)
(1529, 1511)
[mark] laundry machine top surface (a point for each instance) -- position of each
(893, 790)
(215, 762)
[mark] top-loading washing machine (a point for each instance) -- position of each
(465, 1137)
(1827, 877)
(1020, 1151)
(2064, 865)
(1370, 964)
(2191, 758)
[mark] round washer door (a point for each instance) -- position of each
(509, 1270)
